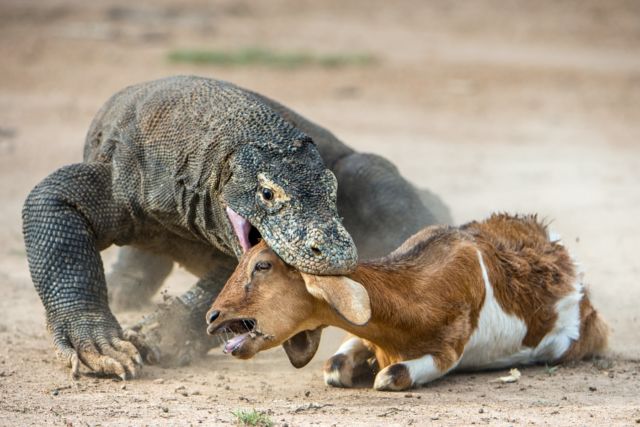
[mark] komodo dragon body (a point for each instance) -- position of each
(194, 170)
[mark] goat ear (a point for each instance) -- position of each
(346, 296)
(301, 347)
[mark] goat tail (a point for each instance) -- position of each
(594, 334)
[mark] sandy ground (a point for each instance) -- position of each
(518, 106)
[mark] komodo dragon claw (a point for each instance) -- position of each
(105, 350)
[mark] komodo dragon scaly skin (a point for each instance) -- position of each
(194, 170)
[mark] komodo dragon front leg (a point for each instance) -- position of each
(68, 218)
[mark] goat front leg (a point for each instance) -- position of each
(351, 361)
(454, 335)
(416, 372)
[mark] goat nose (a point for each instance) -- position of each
(213, 315)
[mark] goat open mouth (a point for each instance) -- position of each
(234, 333)
(248, 236)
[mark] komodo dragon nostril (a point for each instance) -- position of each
(213, 316)
(316, 251)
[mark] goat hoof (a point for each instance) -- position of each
(338, 371)
(393, 378)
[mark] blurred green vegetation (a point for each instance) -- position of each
(252, 418)
(256, 56)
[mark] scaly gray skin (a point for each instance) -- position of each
(163, 162)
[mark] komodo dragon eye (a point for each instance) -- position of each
(267, 194)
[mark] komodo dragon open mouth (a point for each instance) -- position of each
(248, 236)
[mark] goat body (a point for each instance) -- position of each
(484, 295)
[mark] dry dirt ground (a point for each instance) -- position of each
(495, 105)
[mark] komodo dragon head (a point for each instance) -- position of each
(282, 192)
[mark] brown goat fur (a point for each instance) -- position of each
(484, 295)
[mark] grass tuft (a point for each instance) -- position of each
(551, 370)
(253, 56)
(252, 418)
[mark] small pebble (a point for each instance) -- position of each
(159, 381)
(591, 388)
(164, 409)
(481, 411)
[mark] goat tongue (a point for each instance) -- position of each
(234, 343)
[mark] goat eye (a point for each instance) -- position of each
(267, 194)
(262, 266)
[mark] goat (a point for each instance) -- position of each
(484, 295)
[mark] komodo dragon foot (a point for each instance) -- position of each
(177, 328)
(174, 333)
(101, 345)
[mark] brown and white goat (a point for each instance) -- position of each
(484, 295)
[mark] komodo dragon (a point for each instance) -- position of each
(195, 170)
